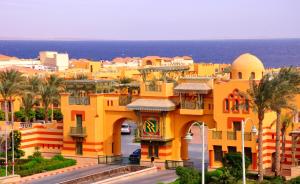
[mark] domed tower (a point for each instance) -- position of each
(247, 66)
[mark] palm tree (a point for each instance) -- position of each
(285, 85)
(29, 95)
(286, 122)
(11, 83)
(260, 94)
(49, 92)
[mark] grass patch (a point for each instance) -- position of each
(34, 165)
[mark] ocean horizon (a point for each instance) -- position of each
(273, 52)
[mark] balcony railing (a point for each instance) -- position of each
(248, 136)
(77, 132)
(191, 105)
(73, 100)
(231, 135)
(217, 134)
(124, 100)
(155, 88)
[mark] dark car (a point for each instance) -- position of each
(135, 156)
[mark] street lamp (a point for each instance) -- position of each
(189, 137)
(253, 130)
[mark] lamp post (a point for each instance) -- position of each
(253, 130)
(189, 137)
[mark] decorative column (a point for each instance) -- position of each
(211, 158)
(293, 150)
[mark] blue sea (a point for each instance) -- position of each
(274, 53)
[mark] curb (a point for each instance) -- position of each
(128, 176)
(52, 173)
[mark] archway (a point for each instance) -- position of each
(191, 152)
(124, 142)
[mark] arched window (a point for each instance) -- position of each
(240, 75)
(227, 105)
(252, 75)
(236, 105)
(149, 62)
(247, 105)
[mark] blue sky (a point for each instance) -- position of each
(149, 19)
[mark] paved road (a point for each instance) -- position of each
(165, 176)
(73, 174)
(127, 142)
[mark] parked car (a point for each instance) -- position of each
(135, 156)
(125, 128)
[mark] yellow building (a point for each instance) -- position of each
(164, 109)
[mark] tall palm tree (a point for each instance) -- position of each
(285, 85)
(260, 94)
(11, 83)
(29, 95)
(49, 92)
(286, 122)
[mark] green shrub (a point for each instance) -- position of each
(294, 181)
(58, 157)
(224, 178)
(20, 116)
(188, 175)
(57, 115)
(233, 162)
(212, 174)
(2, 115)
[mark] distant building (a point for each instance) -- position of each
(59, 61)
(7, 61)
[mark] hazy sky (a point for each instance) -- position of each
(149, 19)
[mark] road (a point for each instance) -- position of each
(73, 174)
(165, 176)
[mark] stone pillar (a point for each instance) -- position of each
(294, 150)
(184, 150)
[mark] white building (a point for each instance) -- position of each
(59, 61)
(7, 61)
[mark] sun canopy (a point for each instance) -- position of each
(152, 105)
(201, 88)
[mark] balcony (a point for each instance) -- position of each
(217, 134)
(124, 100)
(191, 107)
(79, 132)
(231, 135)
(73, 100)
(153, 88)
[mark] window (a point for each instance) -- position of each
(236, 105)
(246, 105)
(252, 75)
(218, 153)
(153, 150)
(78, 120)
(237, 126)
(227, 105)
(248, 153)
(240, 75)
(231, 149)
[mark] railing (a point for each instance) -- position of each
(124, 100)
(248, 136)
(217, 134)
(117, 160)
(156, 88)
(231, 135)
(191, 105)
(25, 125)
(173, 164)
(73, 100)
(78, 132)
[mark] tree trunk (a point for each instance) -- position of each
(12, 136)
(277, 145)
(283, 149)
(6, 120)
(46, 114)
(260, 158)
(52, 114)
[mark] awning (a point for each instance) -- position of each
(201, 88)
(152, 105)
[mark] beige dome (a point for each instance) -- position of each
(247, 66)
